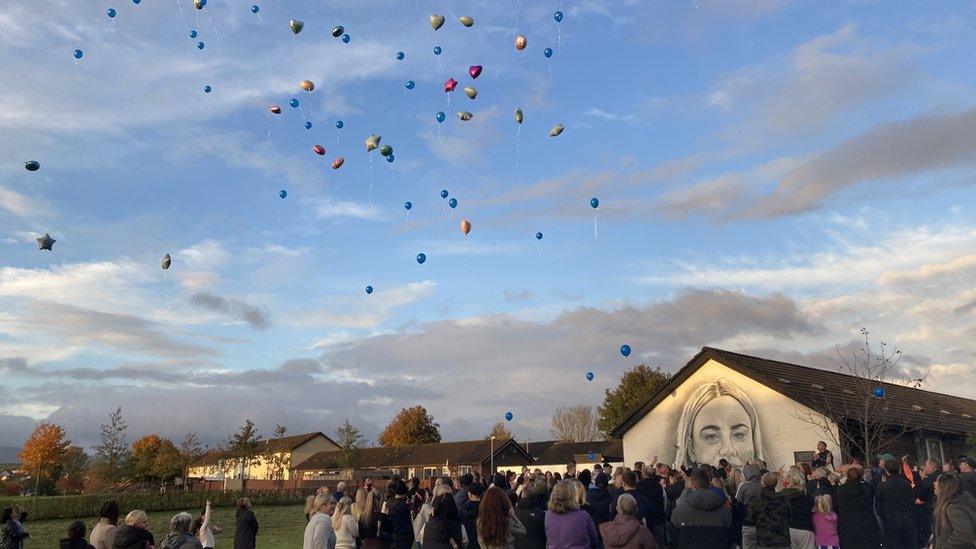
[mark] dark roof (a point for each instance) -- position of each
(553, 452)
(466, 452)
(265, 446)
(821, 390)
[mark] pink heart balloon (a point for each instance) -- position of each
(474, 71)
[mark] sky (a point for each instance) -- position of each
(773, 176)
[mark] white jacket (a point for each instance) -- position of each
(318, 533)
(346, 533)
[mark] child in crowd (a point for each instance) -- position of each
(825, 523)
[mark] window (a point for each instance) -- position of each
(933, 447)
(463, 469)
(430, 472)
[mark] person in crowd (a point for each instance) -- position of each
(497, 525)
(134, 533)
(925, 500)
(967, 473)
(318, 532)
(246, 531)
(733, 480)
(599, 499)
(767, 520)
(822, 457)
(801, 508)
(571, 469)
(344, 524)
(427, 510)
(461, 496)
(581, 498)
(340, 491)
(469, 514)
(638, 469)
(629, 485)
(651, 487)
(179, 536)
(585, 478)
(674, 489)
(954, 521)
(309, 508)
(542, 492)
(204, 528)
(567, 527)
(443, 529)
(857, 526)
(875, 474)
(12, 533)
(825, 522)
(399, 525)
(532, 518)
(701, 517)
(625, 531)
(366, 511)
(103, 534)
(895, 505)
(608, 470)
(751, 487)
(76, 537)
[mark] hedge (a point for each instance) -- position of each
(60, 507)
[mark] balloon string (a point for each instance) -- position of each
(406, 222)
(518, 138)
(269, 126)
(540, 248)
(179, 5)
(596, 234)
(518, 13)
(370, 178)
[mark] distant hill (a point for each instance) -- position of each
(8, 454)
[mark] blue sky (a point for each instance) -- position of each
(773, 175)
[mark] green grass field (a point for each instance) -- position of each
(280, 527)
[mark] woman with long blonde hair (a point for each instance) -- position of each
(345, 526)
(367, 515)
(566, 524)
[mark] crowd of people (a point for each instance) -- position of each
(893, 504)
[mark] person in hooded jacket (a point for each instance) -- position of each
(751, 488)
(701, 517)
(625, 531)
(399, 519)
(954, 524)
(856, 524)
(651, 487)
(629, 484)
(443, 528)
(179, 536)
(246, 533)
(469, 514)
(134, 534)
(895, 504)
(767, 520)
(532, 518)
(599, 499)
(801, 508)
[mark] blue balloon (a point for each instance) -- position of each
(452, 203)
(592, 456)
(625, 350)
(193, 34)
(879, 392)
(200, 45)
(509, 416)
(408, 205)
(390, 158)
(369, 290)
(207, 89)
(437, 50)
(283, 194)
(346, 38)
(589, 376)
(293, 103)
(400, 56)
(538, 236)
(558, 16)
(441, 117)
(594, 202)
(137, 2)
(339, 124)
(79, 54)
(548, 53)
(421, 258)
(444, 193)
(410, 84)
(255, 8)
(308, 125)
(111, 12)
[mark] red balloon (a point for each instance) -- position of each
(338, 162)
(450, 85)
(275, 109)
(475, 71)
(319, 150)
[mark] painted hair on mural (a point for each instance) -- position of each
(718, 421)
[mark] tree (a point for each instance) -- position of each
(74, 467)
(168, 463)
(350, 440)
(144, 452)
(575, 424)
(279, 460)
(43, 453)
(635, 386)
(190, 451)
(410, 426)
(112, 450)
(866, 424)
(500, 431)
(243, 446)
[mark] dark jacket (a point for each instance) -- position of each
(626, 532)
(702, 520)
(643, 506)
(769, 514)
(650, 487)
(534, 520)
(461, 497)
(12, 535)
(130, 537)
(894, 502)
(401, 523)
(856, 524)
(599, 498)
(960, 532)
(74, 544)
(180, 541)
(438, 533)
(751, 487)
(246, 533)
(469, 519)
(801, 508)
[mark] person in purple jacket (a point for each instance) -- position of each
(567, 527)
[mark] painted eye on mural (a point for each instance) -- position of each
(740, 435)
(710, 437)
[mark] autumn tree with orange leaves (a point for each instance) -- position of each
(43, 453)
(410, 426)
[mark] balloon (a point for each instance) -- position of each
(879, 392)
(198, 4)
(556, 130)
(308, 125)
(520, 42)
(436, 21)
(338, 162)
(193, 34)
(410, 84)
(294, 103)
(207, 89)
(390, 158)
(200, 45)
(558, 16)
(547, 52)
(465, 116)
(400, 56)
(421, 258)
(437, 50)
(339, 124)
(408, 205)
(307, 85)
(110, 12)
(592, 456)
(296, 26)
(452, 203)
(625, 350)
(373, 142)
(369, 290)
(509, 416)
(319, 150)
(475, 71)
(538, 236)
(79, 54)
(444, 193)
(338, 31)
(465, 226)
(450, 85)
(518, 115)
(32, 165)
(274, 109)
(255, 8)
(166, 262)
(471, 92)
(594, 202)
(466, 21)
(346, 38)
(441, 116)
(136, 2)
(283, 194)
(45, 242)
(589, 376)
(386, 150)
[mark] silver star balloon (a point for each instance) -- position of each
(45, 242)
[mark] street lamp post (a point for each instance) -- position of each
(492, 455)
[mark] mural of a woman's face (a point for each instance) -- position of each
(722, 429)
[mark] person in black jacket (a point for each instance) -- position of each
(11, 533)
(856, 523)
(895, 502)
(134, 533)
(444, 526)
(246, 534)
(469, 514)
(599, 498)
(925, 501)
(651, 487)
(701, 517)
(801, 507)
(76, 537)
(630, 487)
(533, 518)
(400, 520)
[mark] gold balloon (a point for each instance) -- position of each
(465, 116)
(518, 115)
(198, 4)
(556, 130)
(372, 142)
(520, 42)
(436, 21)
(466, 21)
(471, 92)
(465, 226)
(307, 85)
